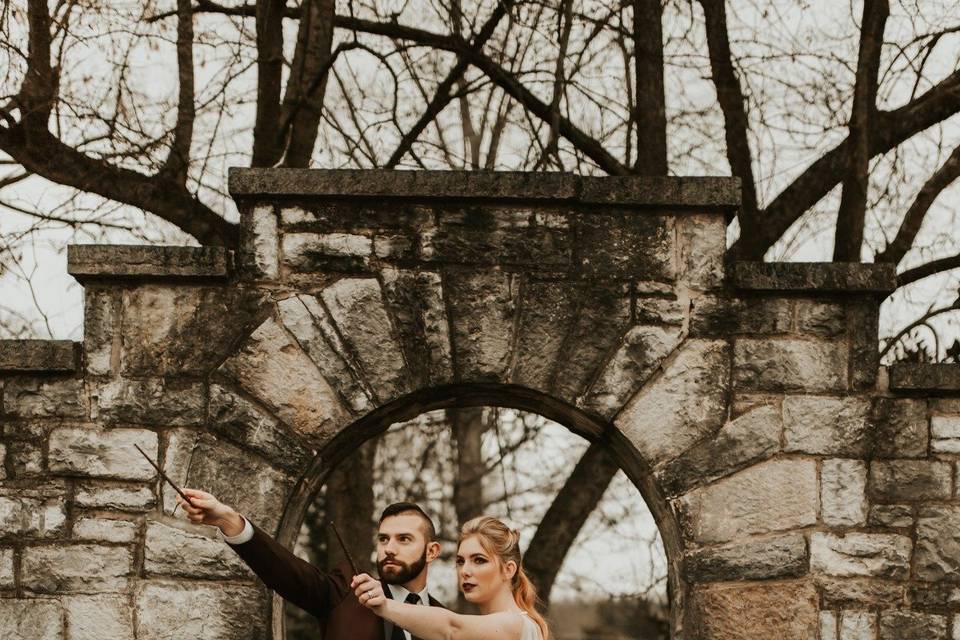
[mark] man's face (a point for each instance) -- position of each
(401, 548)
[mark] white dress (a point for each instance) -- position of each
(530, 629)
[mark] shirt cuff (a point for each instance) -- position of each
(244, 536)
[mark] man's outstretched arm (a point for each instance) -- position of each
(294, 579)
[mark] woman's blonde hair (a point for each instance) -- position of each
(503, 542)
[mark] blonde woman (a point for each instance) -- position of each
(490, 573)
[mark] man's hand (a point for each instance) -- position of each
(369, 592)
(207, 509)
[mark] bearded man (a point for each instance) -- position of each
(406, 545)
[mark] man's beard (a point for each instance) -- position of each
(401, 572)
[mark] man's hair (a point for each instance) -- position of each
(399, 508)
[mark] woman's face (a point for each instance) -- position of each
(480, 575)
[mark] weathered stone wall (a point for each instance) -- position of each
(802, 490)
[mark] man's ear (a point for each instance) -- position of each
(433, 551)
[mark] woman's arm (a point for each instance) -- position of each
(436, 623)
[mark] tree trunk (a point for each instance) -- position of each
(567, 514)
(468, 427)
(349, 504)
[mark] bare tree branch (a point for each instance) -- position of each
(566, 516)
(891, 128)
(650, 105)
(178, 161)
(942, 178)
(266, 134)
(848, 238)
(308, 82)
(730, 97)
(929, 269)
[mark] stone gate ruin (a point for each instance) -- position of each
(802, 491)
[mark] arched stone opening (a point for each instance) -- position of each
(589, 427)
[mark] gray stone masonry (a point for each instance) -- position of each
(802, 491)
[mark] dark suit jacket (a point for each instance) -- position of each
(326, 596)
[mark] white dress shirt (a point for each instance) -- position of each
(399, 593)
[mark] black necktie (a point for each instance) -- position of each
(398, 634)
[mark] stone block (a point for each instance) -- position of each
(6, 569)
(945, 434)
(751, 437)
(860, 593)
(756, 611)
(821, 319)
(482, 308)
(310, 324)
(858, 625)
(863, 320)
(99, 617)
(415, 300)
(102, 311)
(172, 331)
(26, 397)
(702, 242)
(203, 611)
(76, 568)
(683, 405)
(26, 458)
(879, 555)
(776, 495)
(826, 425)
(236, 477)
(642, 352)
(937, 556)
(276, 371)
(816, 277)
(102, 453)
(393, 247)
(245, 422)
(625, 246)
(712, 316)
(98, 262)
(153, 401)
(698, 193)
(891, 515)
(777, 557)
(261, 243)
(843, 485)
(28, 619)
(356, 307)
(105, 530)
(828, 625)
(33, 513)
(662, 311)
(119, 497)
(912, 625)
(3, 459)
(899, 428)
(175, 552)
(938, 377)
(909, 480)
(42, 356)
(602, 316)
(310, 252)
(931, 596)
(786, 364)
(533, 248)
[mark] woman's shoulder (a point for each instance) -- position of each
(530, 629)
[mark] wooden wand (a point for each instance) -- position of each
(164, 476)
(353, 565)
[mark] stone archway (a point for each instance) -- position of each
(479, 395)
(798, 486)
